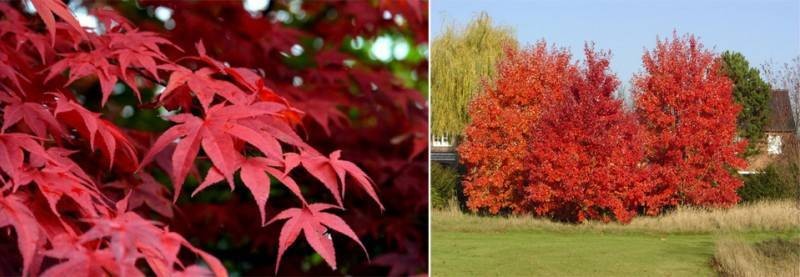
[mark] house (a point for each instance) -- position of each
(780, 134)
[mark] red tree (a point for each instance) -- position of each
(496, 140)
(685, 104)
(78, 180)
(585, 151)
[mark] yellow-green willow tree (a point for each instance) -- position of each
(461, 59)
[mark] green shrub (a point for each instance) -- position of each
(443, 185)
(775, 182)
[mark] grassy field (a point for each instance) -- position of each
(682, 243)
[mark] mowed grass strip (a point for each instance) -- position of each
(468, 245)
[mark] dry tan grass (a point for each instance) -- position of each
(777, 216)
(736, 257)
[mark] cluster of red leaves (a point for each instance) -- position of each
(351, 103)
(549, 138)
(61, 162)
(685, 105)
(51, 196)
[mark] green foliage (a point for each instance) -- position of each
(461, 59)
(775, 182)
(443, 185)
(752, 93)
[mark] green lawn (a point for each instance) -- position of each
(572, 254)
(680, 244)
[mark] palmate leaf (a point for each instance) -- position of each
(314, 223)
(330, 169)
(204, 86)
(116, 56)
(216, 134)
(136, 52)
(36, 117)
(84, 64)
(255, 172)
(99, 132)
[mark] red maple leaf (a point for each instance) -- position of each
(36, 117)
(88, 64)
(329, 169)
(254, 178)
(98, 131)
(216, 134)
(204, 86)
(312, 221)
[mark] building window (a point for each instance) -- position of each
(774, 144)
(441, 141)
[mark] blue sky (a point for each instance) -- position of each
(759, 29)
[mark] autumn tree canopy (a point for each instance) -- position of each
(496, 140)
(548, 137)
(585, 151)
(686, 106)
